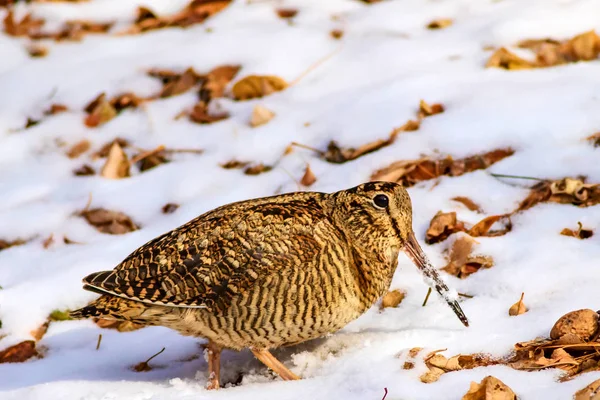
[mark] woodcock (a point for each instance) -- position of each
(268, 272)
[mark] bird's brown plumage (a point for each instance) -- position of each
(266, 272)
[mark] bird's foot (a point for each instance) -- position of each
(213, 358)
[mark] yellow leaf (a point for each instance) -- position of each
(260, 116)
(518, 308)
(117, 164)
(255, 86)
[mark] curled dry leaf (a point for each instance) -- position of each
(78, 148)
(56, 109)
(590, 392)
(216, 81)
(490, 388)
(426, 110)
(583, 323)
(580, 233)
(441, 226)
(27, 26)
(482, 228)
(234, 164)
(503, 58)
(309, 177)
(564, 191)
(518, 308)
(461, 263)
(255, 86)
(286, 13)
(260, 116)
(179, 83)
(467, 202)
(5, 244)
(201, 115)
(438, 364)
(117, 163)
(112, 222)
(257, 169)
(99, 111)
(170, 208)
(439, 23)
(19, 352)
(392, 299)
(408, 173)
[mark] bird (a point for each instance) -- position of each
(268, 272)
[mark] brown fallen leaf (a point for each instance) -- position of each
(19, 352)
(78, 148)
(408, 173)
(590, 392)
(170, 208)
(257, 169)
(5, 244)
(40, 331)
(461, 263)
(518, 308)
(48, 241)
(125, 100)
(441, 226)
(74, 30)
(117, 163)
(84, 170)
(584, 323)
(482, 228)
(112, 222)
(467, 202)
(31, 122)
(216, 80)
(580, 233)
(99, 111)
(439, 23)
(309, 177)
(27, 26)
(286, 13)
(144, 366)
(37, 51)
(105, 149)
(594, 139)
(392, 299)
(255, 86)
(234, 164)
(490, 388)
(56, 109)
(201, 115)
(563, 191)
(503, 58)
(426, 110)
(260, 116)
(179, 83)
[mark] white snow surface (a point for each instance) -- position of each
(372, 81)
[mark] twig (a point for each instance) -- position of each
(314, 66)
(99, 341)
(148, 360)
(193, 151)
(468, 296)
(89, 203)
(426, 297)
(321, 153)
(516, 177)
(384, 394)
(146, 154)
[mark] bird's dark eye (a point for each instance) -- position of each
(381, 200)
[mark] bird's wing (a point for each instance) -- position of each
(218, 255)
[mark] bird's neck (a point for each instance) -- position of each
(374, 274)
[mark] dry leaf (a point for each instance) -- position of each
(56, 109)
(432, 375)
(99, 111)
(286, 13)
(117, 163)
(200, 114)
(337, 33)
(150, 159)
(255, 86)
(426, 110)
(470, 204)
(5, 244)
(441, 226)
(594, 139)
(309, 177)
(583, 323)
(234, 164)
(482, 228)
(112, 222)
(170, 208)
(48, 241)
(502, 58)
(19, 352)
(28, 26)
(564, 191)
(180, 83)
(39, 332)
(257, 169)
(260, 116)
(590, 392)
(392, 298)
(490, 388)
(461, 262)
(580, 233)
(408, 173)
(78, 148)
(84, 170)
(104, 150)
(216, 81)
(518, 308)
(439, 23)
(37, 51)
(144, 366)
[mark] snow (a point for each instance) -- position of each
(366, 84)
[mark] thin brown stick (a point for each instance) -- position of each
(321, 153)
(314, 66)
(148, 360)
(426, 297)
(146, 154)
(99, 341)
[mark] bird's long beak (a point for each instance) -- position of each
(433, 279)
